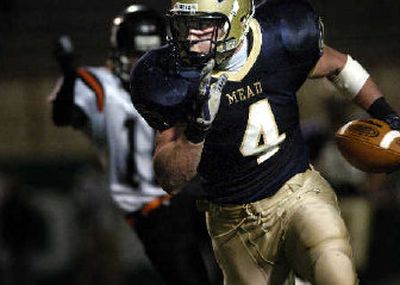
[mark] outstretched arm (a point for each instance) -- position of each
(63, 97)
(332, 63)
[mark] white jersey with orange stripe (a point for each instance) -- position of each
(117, 128)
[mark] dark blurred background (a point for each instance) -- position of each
(57, 223)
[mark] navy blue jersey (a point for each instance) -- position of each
(255, 145)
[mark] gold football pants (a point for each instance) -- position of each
(299, 229)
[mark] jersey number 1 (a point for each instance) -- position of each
(261, 137)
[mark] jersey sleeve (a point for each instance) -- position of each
(153, 114)
(302, 33)
(89, 99)
(300, 28)
(78, 102)
(158, 94)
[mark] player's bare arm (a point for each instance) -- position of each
(356, 84)
(175, 159)
(332, 63)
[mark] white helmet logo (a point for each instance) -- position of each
(187, 8)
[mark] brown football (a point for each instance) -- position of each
(370, 145)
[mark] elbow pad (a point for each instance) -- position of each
(351, 79)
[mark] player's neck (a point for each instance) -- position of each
(237, 60)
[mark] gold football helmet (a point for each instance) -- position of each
(230, 19)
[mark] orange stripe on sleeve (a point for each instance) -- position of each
(93, 83)
(154, 204)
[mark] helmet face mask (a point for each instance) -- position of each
(135, 31)
(195, 50)
(229, 18)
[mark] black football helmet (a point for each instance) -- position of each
(135, 31)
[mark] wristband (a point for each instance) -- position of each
(380, 109)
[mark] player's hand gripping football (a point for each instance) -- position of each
(381, 110)
(205, 104)
(393, 120)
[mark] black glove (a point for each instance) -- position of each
(63, 51)
(381, 110)
(205, 104)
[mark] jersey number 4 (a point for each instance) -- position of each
(261, 138)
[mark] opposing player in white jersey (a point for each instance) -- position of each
(96, 101)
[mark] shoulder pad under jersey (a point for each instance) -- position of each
(90, 97)
(300, 28)
(89, 77)
(158, 90)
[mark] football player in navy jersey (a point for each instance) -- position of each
(222, 96)
(96, 101)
